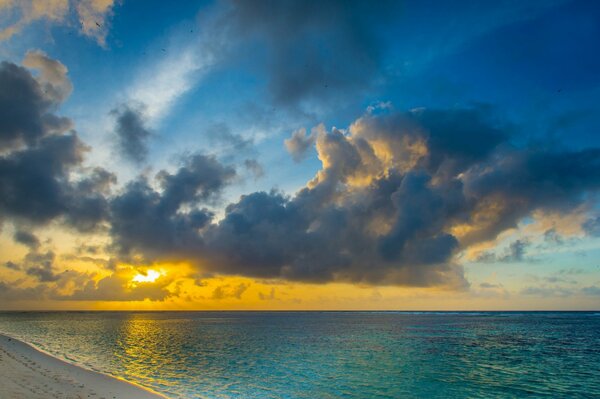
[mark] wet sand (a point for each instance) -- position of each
(27, 373)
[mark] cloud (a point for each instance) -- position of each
(93, 18)
(33, 182)
(12, 265)
(26, 11)
(300, 142)
(228, 291)
(132, 133)
(71, 285)
(592, 226)
(143, 219)
(514, 253)
(93, 15)
(10, 292)
(117, 287)
(397, 197)
(255, 168)
(548, 291)
(489, 285)
(220, 134)
(556, 279)
(551, 236)
(53, 75)
(35, 185)
(163, 83)
(24, 119)
(87, 203)
(313, 50)
(557, 291)
(41, 266)
(39, 152)
(571, 271)
(270, 296)
(27, 238)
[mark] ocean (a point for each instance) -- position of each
(329, 354)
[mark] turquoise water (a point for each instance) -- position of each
(329, 354)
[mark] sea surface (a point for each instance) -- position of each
(329, 354)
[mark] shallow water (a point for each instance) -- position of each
(329, 354)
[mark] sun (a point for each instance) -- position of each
(149, 277)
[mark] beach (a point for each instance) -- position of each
(27, 373)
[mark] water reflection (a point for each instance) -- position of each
(149, 346)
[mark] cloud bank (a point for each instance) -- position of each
(397, 197)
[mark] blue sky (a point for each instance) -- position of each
(535, 64)
(234, 80)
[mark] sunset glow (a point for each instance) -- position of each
(283, 155)
(150, 276)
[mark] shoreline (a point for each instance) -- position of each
(28, 372)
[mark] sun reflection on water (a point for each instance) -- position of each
(144, 347)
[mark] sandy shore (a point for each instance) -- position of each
(27, 373)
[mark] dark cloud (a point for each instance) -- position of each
(34, 181)
(12, 265)
(255, 168)
(131, 131)
(314, 50)
(40, 152)
(35, 185)
(41, 266)
(142, 222)
(417, 234)
(10, 292)
(399, 194)
(88, 206)
(200, 179)
(270, 296)
(153, 222)
(229, 291)
(26, 117)
(221, 134)
(42, 273)
(299, 143)
(88, 249)
(26, 238)
(514, 253)
(380, 211)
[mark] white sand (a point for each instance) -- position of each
(27, 373)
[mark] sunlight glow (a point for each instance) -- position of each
(149, 277)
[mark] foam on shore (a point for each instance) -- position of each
(26, 372)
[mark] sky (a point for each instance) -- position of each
(301, 155)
